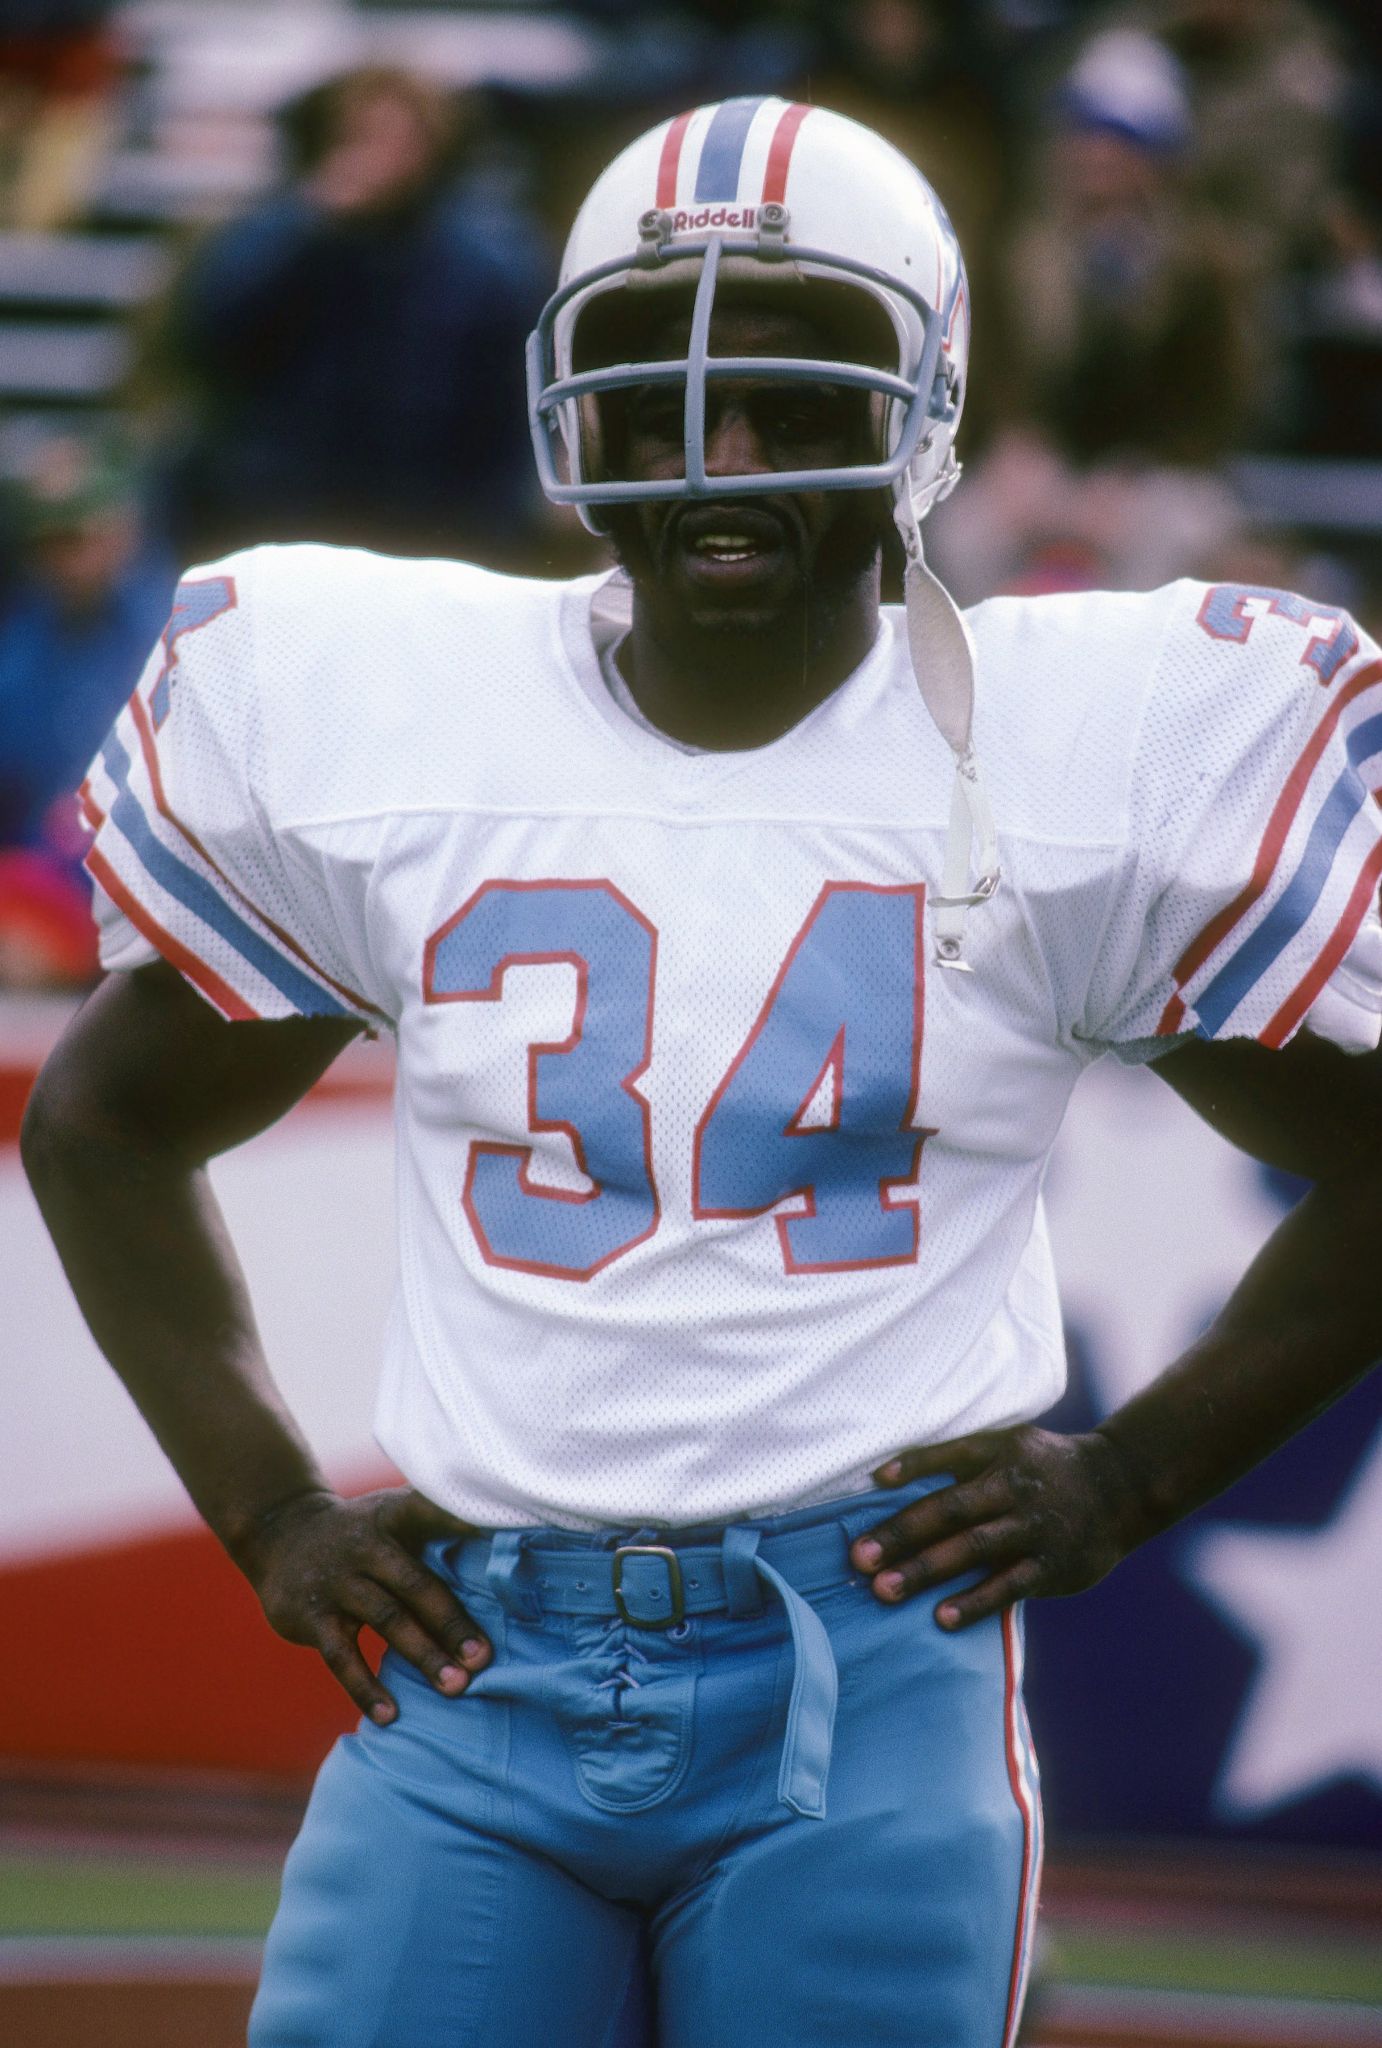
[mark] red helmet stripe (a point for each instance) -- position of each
(670, 161)
(780, 154)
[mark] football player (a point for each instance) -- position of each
(736, 1010)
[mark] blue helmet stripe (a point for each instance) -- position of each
(722, 153)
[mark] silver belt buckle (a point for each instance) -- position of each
(674, 1585)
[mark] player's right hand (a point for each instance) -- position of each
(325, 1567)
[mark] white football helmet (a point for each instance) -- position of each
(760, 190)
(777, 195)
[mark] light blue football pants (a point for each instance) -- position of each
(725, 1786)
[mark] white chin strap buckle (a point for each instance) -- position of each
(950, 936)
(986, 886)
(970, 818)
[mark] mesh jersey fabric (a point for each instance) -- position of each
(402, 791)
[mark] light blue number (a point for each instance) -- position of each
(585, 1085)
(1224, 615)
(821, 1100)
(196, 603)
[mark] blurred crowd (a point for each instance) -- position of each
(1171, 211)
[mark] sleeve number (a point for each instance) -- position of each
(195, 603)
(1229, 610)
(819, 1103)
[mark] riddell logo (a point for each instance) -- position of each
(718, 217)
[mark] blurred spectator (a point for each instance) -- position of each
(915, 71)
(356, 345)
(1028, 520)
(1125, 310)
(1130, 376)
(58, 68)
(910, 70)
(89, 598)
(1333, 306)
(1279, 558)
(1265, 79)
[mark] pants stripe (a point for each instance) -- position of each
(1022, 1777)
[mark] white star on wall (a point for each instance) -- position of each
(1308, 1601)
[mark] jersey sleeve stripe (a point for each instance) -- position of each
(174, 952)
(195, 894)
(149, 748)
(1274, 838)
(1294, 906)
(90, 809)
(1280, 1026)
(1172, 1019)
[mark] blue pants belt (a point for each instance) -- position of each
(653, 1585)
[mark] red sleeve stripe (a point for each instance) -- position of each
(670, 161)
(174, 952)
(91, 810)
(780, 154)
(1172, 1019)
(1296, 1006)
(149, 748)
(1273, 839)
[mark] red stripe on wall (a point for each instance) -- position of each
(155, 1651)
(670, 161)
(15, 1083)
(780, 154)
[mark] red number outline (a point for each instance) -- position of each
(536, 1124)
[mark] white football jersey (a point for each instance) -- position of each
(712, 1189)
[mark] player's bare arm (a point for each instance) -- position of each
(1039, 1512)
(146, 1086)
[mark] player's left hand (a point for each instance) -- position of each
(1032, 1510)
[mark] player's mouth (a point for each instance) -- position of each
(729, 547)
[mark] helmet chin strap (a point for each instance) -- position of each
(943, 662)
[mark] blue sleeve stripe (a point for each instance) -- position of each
(722, 152)
(196, 894)
(1298, 899)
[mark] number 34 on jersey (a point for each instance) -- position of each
(819, 1103)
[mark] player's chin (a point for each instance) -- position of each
(746, 616)
(752, 593)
